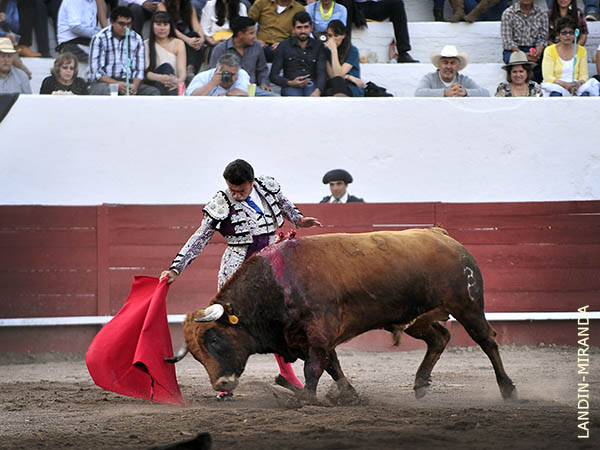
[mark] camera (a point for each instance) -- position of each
(323, 38)
(226, 76)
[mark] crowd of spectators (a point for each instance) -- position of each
(309, 46)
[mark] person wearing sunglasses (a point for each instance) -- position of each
(116, 53)
(565, 65)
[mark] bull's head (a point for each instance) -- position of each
(216, 339)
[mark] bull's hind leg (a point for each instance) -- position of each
(346, 394)
(473, 319)
(436, 336)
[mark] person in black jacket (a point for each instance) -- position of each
(338, 180)
(64, 77)
(302, 60)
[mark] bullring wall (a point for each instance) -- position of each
(59, 150)
(80, 261)
(515, 180)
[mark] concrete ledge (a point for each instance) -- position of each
(402, 79)
(397, 149)
(481, 40)
(421, 10)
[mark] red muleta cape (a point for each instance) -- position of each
(127, 355)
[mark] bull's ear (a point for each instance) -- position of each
(231, 317)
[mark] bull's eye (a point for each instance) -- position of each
(221, 347)
(215, 343)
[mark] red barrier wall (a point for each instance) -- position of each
(78, 261)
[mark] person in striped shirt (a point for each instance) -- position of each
(112, 55)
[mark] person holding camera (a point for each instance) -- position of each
(302, 60)
(228, 78)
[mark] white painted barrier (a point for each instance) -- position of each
(179, 318)
(59, 150)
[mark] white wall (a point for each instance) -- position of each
(60, 150)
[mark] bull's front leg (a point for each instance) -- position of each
(346, 394)
(314, 365)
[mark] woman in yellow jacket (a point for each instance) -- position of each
(563, 74)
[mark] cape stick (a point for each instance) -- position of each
(128, 62)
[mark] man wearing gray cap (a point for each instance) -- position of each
(338, 180)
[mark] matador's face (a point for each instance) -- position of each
(240, 192)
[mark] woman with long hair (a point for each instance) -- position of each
(565, 65)
(63, 78)
(217, 15)
(165, 55)
(566, 8)
(343, 65)
(188, 29)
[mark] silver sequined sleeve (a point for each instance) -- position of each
(195, 244)
(290, 212)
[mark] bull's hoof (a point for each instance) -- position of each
(420, 391)
(509, 391)
(345, 396)
(343, 400)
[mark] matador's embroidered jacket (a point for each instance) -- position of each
(245, 230)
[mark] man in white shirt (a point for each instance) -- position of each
(228, 78)
(77, 25)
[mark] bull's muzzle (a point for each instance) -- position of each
(226, 384)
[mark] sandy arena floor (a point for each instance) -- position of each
(54, 404)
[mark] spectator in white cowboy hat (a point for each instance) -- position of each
(12, 80)
(518, 81)
(446, 81)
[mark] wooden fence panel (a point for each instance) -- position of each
(72, 261)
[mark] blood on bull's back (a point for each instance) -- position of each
(366, 281)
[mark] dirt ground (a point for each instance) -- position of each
(51, 403)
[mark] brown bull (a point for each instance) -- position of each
(303, 297)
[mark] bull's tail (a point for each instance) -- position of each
(396, 331)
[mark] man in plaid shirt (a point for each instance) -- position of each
(525, 28)
(109, 53)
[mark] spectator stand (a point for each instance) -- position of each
(480, 40)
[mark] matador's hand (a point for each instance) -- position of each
(307, 222)
(169, 274)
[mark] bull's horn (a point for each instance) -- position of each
(212, 313)
(179, 356)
